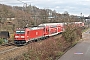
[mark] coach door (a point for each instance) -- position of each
(28, 35)
(46, 31)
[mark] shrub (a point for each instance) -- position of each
(70, 34)
(1, 41)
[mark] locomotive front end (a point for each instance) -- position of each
(19, 37)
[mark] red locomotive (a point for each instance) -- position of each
(25, 35)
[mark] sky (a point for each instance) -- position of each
(73, 7)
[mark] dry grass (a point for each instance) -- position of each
(48, 49)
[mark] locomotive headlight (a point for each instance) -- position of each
(22, 36)
(16, 36)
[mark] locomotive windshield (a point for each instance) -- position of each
(20, 31)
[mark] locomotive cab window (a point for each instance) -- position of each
(20, 32)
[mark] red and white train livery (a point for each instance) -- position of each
(25, 35)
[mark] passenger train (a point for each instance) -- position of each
(24, 35)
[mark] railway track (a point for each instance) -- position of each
(7, 47)
(8, 44)
(7, 50)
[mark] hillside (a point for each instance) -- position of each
(12, 17)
